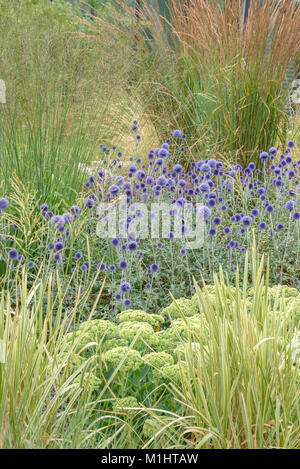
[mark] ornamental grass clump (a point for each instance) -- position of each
(225, 82)
(240, 388)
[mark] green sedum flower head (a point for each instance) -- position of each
(140, 316)
(131, 359)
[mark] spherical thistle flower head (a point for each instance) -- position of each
(43, 207)
(112, 268)
(262, 225)
(75, 210)
(101, 266)
(84, 267)
(148, 286)
(125, 287)
(264, 156)
(211, 202)
(58, 246)
(291, 144)
(212, 231)
(279, 227)
(273, 151)
(30, 265)
(269, 208)
(114, 190)
(21, 258)
(132, 246)
(161, 181)
(3, 203)
(177, 168)
(177, 133)
(204, 187)
(50, 246)
(57, 257)
(227, 230)
(88, 203)
(13, 254)
(255, 212)
(296, 215)
(78, 255)
(115, 242)
(123, 265)
(290, 205)
(251, 166)
(246, 221)
(126, 302)
(154, 267)
(159, 245)
(183, 252)
(117, 296)
(217, 221)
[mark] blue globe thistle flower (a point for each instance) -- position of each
(177, 133)
(161, 181)
(57, 257)
(148, 286)
(217, 221)
(3, 203)
(30, 265)
(279, 227)
(227, 230)
(291, 144)
(212, 231)
(118, 296)
(123, 265)
(58, 246)
(290, 205)
(132, 246)
(112, 267)
(43, 207)
(269, 208)
(262, 225)
(264, 156)
(114, 190)
(50, 246)
(84, 267)
(126, 302)
(154, 267)
(78, 255)
(273, 151)
(183, 252)
(125, 287)
(246, 221)
(101, 266)
(251, 166)
(211, 202)
(177, 168)
(115, 242)
(255, 212)
(21, 258)
(204, 187)
(296, 215)
(75, 210)
(88, 203)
